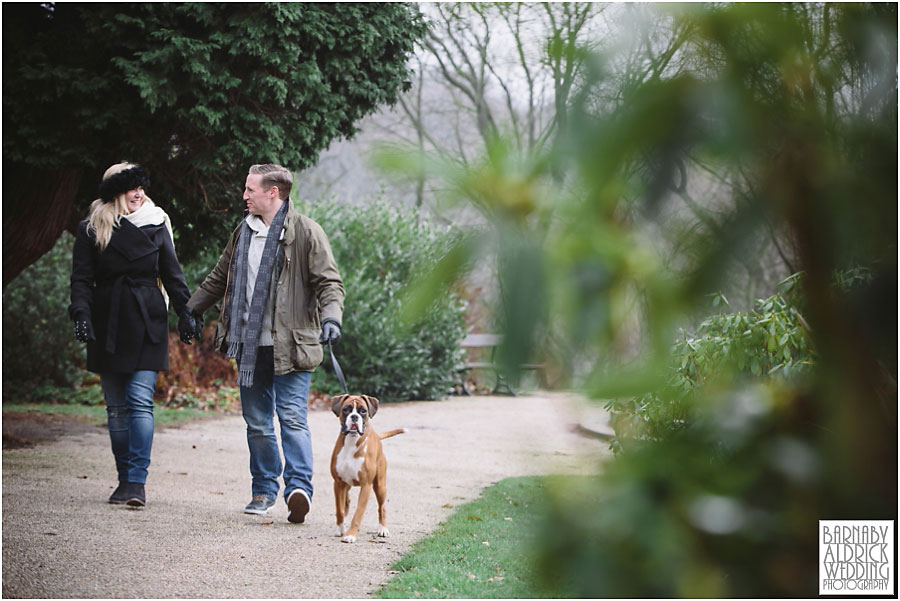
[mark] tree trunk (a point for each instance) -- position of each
(37, 208)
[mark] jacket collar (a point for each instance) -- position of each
(289, 220)
(131, 241)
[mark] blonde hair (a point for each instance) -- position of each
(104, 216)
(274, 175)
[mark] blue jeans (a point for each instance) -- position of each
(129, 413)
(287, 396)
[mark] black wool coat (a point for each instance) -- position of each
(117, 291)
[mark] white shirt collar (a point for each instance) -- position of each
(257, 224)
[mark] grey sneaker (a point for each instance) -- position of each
(298, 505)
(259, 505)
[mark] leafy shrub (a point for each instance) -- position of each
(379, 251)
(721, 477)
(716, 476)
(767, 342)
(39, 347)
(199, 377)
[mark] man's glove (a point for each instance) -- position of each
(331, 331)
(190, 325)
(83, 330)
(198, 325)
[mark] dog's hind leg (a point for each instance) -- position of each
(380, 486)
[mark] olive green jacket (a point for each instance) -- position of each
(307, 291)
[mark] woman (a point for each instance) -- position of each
(123, 266)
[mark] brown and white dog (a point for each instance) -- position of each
(358, 460)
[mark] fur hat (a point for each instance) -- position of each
(123, 181)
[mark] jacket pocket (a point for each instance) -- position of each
(306, 352)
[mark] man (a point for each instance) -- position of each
(283, 298)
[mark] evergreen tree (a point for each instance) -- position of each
(195, 92)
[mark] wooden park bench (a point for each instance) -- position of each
(480, 343)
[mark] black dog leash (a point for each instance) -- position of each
(337, 369)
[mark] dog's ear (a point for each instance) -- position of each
(336, 403)
(372, 402)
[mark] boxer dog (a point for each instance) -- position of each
(358, 460)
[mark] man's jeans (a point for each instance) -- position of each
(129, 413)
(287, 395)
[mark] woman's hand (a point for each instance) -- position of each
(83, 330)
(190, 325)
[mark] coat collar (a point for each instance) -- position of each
(131, 241)
(289, 221)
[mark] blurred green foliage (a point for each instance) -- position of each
(195, 92)
(379, 250)
(725, 468)
(39, 346)
(727, 349)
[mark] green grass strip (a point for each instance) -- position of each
(162, 416)
(484, 550)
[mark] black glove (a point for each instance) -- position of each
(198, 325)
(189, 326)
(83, 330)
(331, 331)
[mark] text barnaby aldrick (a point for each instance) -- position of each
(856, 557)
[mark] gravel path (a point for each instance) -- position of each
(62, 540)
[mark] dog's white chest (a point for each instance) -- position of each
(348, 466)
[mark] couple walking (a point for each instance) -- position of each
(283, 298)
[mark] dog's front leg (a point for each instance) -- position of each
(341, 505)
(365, 491)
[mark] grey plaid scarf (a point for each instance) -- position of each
(247, 361)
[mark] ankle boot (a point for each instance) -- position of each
(119, 495)
(135, 496)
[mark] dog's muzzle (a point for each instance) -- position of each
(353, 426)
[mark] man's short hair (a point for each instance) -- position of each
(275, 175)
